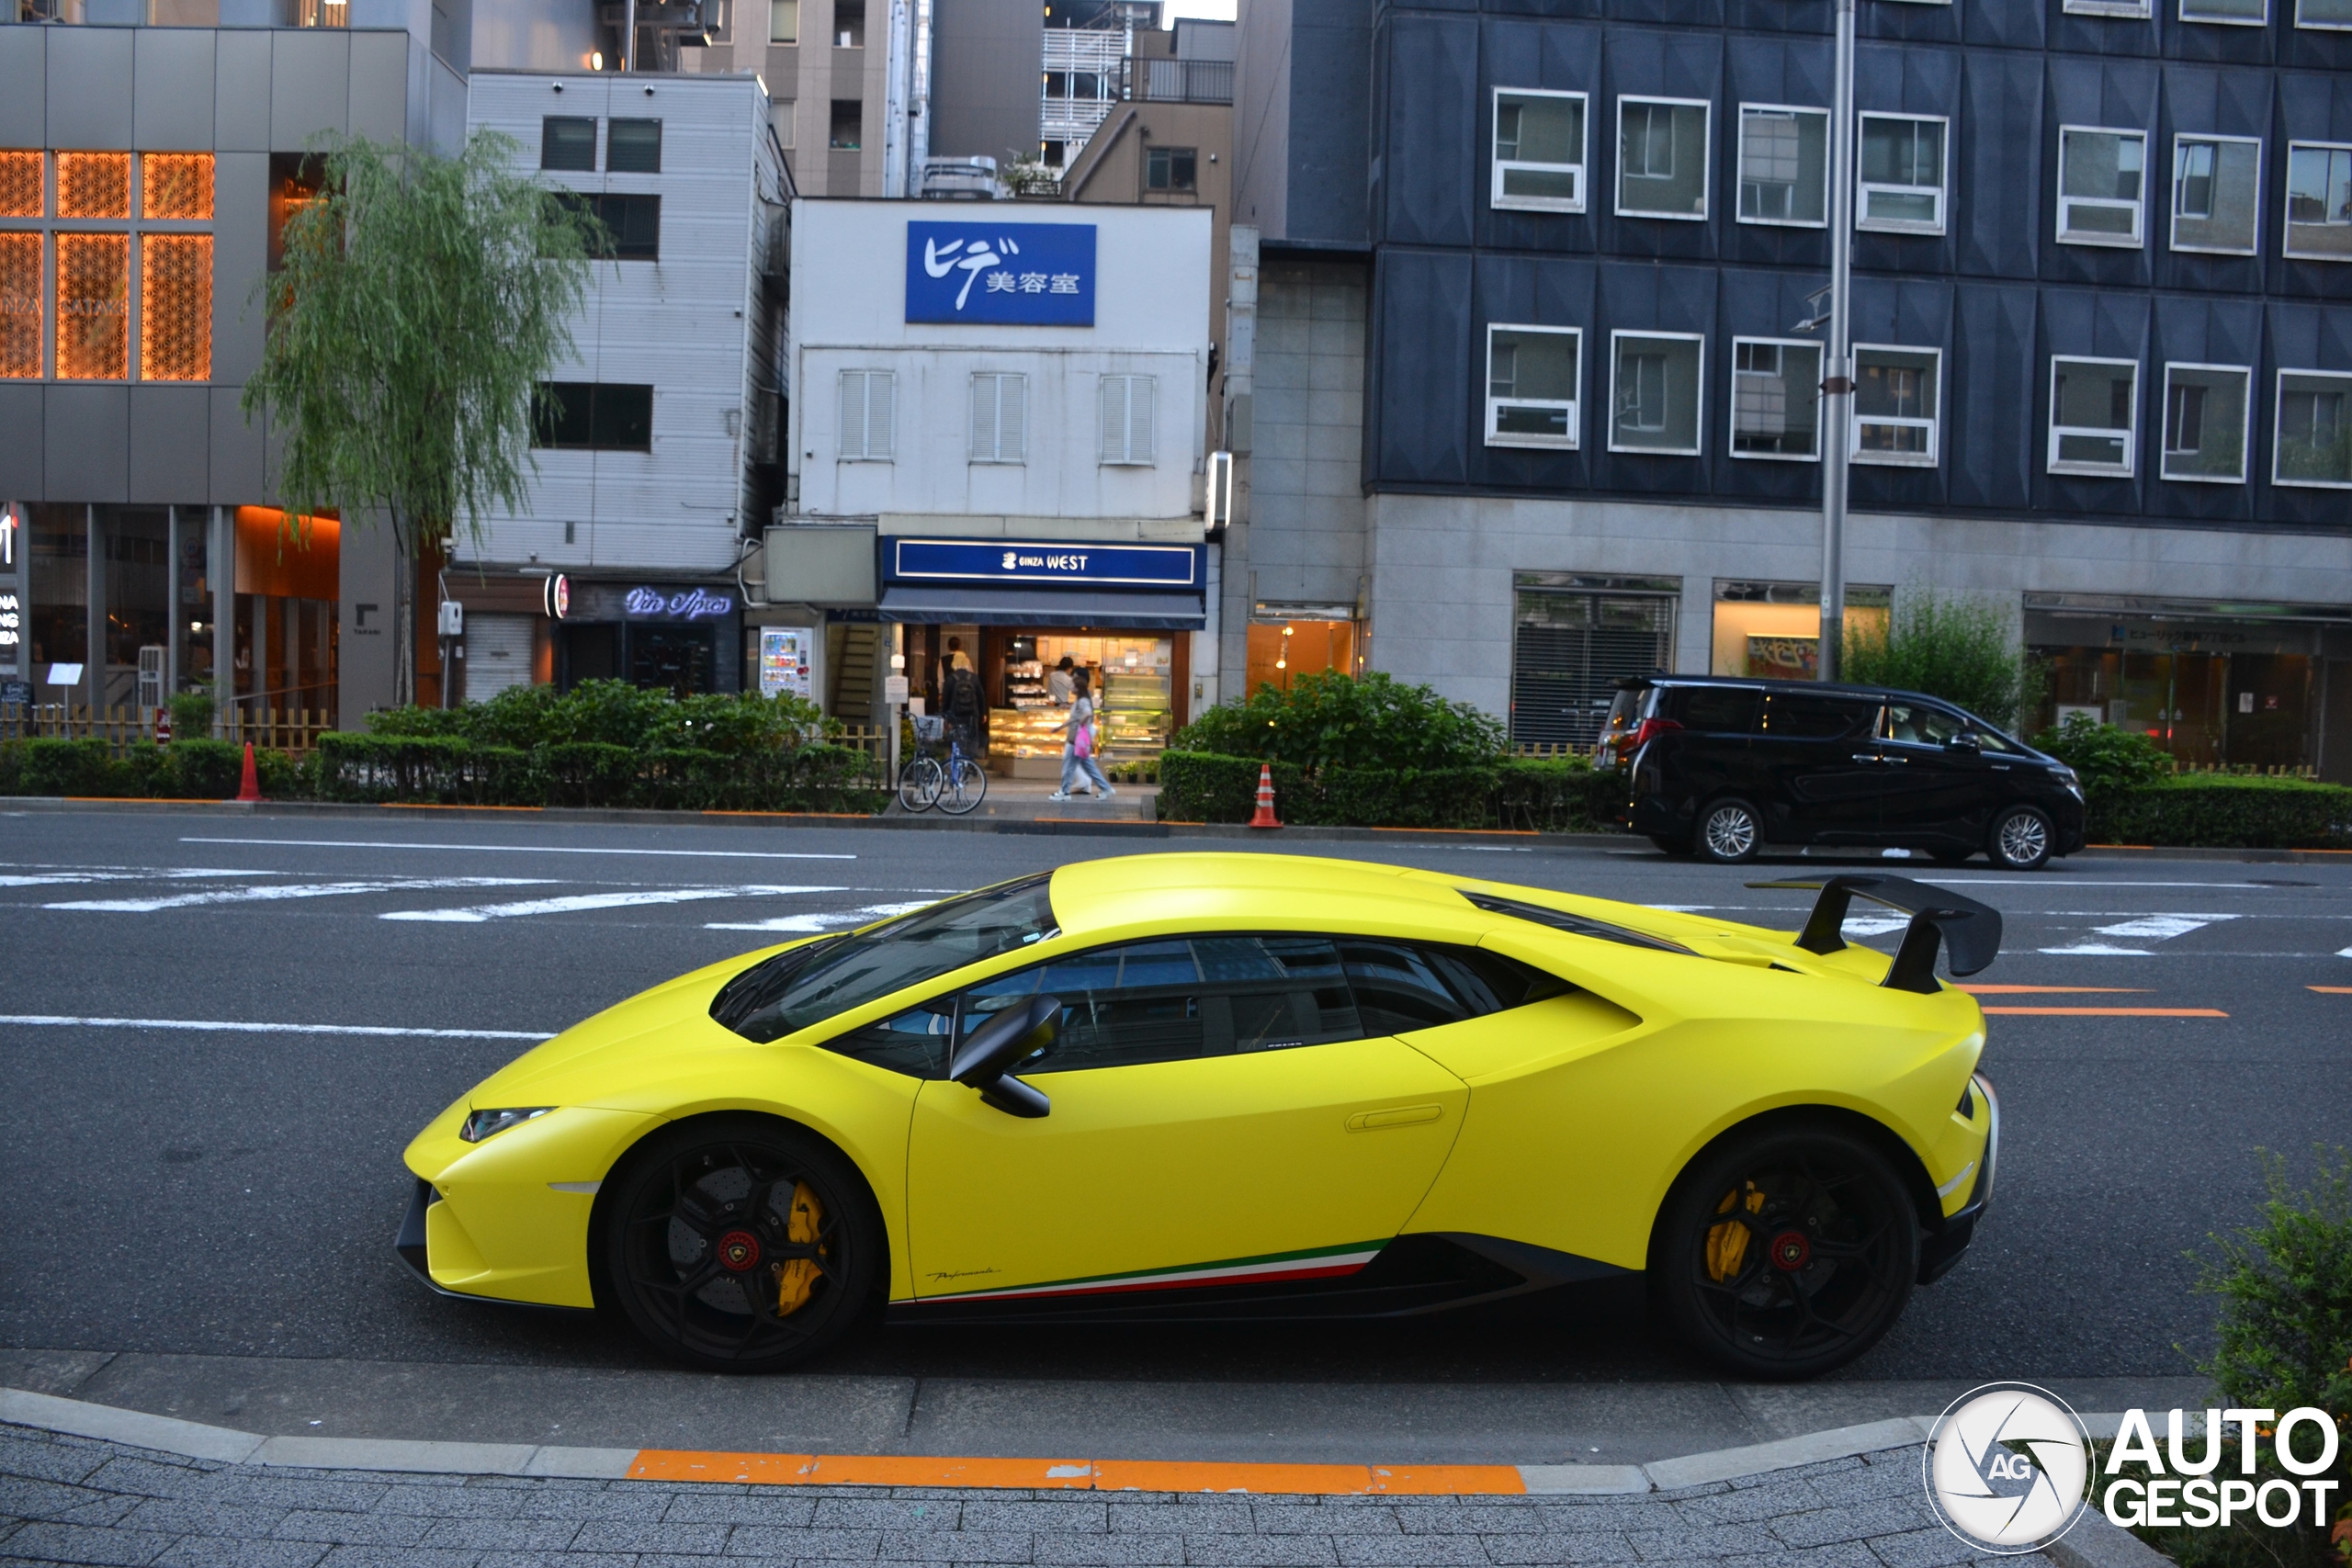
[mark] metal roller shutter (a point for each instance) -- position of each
(498, 654)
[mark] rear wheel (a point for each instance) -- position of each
(1729, 832)
(741, 1243)
(2020, 840)
(1783, 1253)
(964, 786)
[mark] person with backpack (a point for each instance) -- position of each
(960, 703)
(1080, 744)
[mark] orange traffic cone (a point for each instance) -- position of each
(1265, 817)
(249, 789)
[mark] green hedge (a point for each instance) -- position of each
(184, 770)
(2225, 811)
(450, 771)
(1520, 793)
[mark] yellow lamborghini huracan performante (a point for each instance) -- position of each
(1244, 1086)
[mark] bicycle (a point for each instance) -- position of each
(954, 785)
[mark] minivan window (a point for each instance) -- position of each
(1916, 724)
(1801, 716)
(1720, 710)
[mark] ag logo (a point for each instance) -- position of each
(2007, 1468)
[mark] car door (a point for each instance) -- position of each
(1816, 760)
(1936, 786)
(1220, 1113)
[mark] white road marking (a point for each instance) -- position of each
(2344, 952)
(226, 1026)
(2146, 928)
(826, 921)
(521, 849)
(294, 890)
(64, 878)
(578, 901)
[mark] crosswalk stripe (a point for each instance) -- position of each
(825, 921)
(573, 903)
(2145, 928)
(525, 848)
(229, 1026)
(293, 890)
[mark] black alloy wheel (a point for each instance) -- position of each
(1785, 1253)
(741, 1243)
(2020, 840)
(1730, 832)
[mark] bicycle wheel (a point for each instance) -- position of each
(966, 786)
(919, 784)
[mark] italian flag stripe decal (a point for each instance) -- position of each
(1315, 1263)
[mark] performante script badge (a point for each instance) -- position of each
(2007, 1468)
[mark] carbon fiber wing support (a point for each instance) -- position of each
(1969, 932)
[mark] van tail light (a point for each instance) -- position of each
(1644, 732)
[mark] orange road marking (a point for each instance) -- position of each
(2331, 990)
(1098, 1475)
(2049, 990)
(2112, 1013)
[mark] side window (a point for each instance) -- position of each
(1718, 710)
(1916, 723)
(914, 1043)
(1402, 986)
(1799, 715)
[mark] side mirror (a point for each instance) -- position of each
(1964, 741)
(985, 1061)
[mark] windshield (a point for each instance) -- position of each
(796, 989)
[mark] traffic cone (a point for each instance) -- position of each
(249, 788)
(1265, 817)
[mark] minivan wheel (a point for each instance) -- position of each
(1729, 832)
(2020, 840)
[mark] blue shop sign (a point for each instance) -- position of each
(1058, 561)
(1036, 274)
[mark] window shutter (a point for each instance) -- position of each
(985, 391)
(1139, 412)
(853, 413)
(1013, 418)
(881, 395)
(1114, 418)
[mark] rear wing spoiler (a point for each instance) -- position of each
(1969, 932)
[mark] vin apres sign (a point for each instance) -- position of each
(1020, 560)
(1036, 274)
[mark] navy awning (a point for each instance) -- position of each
(923, 603)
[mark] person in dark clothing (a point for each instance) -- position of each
(961, 703)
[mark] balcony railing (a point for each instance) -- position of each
(1162, 81)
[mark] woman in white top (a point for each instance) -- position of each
(1074, 761)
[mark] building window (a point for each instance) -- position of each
(568, 142)
(1127, 419)
(1171, 168)
(1783, 166)
(93, 307)
(21, 307)
(1775, 399)
(94, 185)
(2228, 13)
(2134, 9)
(2093, 416)
(594, 416)
(2331, 15)
(1896, 398)
(848, 118)
(1539, 150)
(849, 24)
(2319, 201)
(1662, 158)
(1901, 174)
(780, 117)
(2101, 180)
(2205, 422)
(999, 417)
(176, 186)
(175, 307)
(631, 225)
(1533, 374)
(868, 400)
(1654, 392)
(2216, 193)
(633, 146)
(23, 179)
(783, 21)
(2315, 429)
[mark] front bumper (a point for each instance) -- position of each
(411, 1245)
(1941, 1251)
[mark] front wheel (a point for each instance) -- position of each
(2020, 840)
(1729, 832)
(919, 784)
(741, 1244)
(965, 785)
(1782, 1253)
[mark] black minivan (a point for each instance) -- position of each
(1720, 767)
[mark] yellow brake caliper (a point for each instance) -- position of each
(796, 1276)
(1728, 1243)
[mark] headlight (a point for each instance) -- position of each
(481, 1124)
(2069, 781)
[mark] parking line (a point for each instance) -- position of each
(521, 849)
(2111, 1013)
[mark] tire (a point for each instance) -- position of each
(919, 784)
(2020, 838)
(1729, 832)
(709, 1220)
(1785, 1252)
(962, 787)
(1669, 844)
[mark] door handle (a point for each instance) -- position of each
(1868, 756)
(1394, 1116)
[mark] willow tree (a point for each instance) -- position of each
(422, 300)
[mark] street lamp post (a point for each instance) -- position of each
(1837, 366)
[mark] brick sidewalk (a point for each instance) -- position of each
(69, 1500)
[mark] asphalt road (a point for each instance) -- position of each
(233, 1192)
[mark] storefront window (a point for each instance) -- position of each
(2213, 693)
(1773, 629)
(1131, 679)
(1282, 650)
